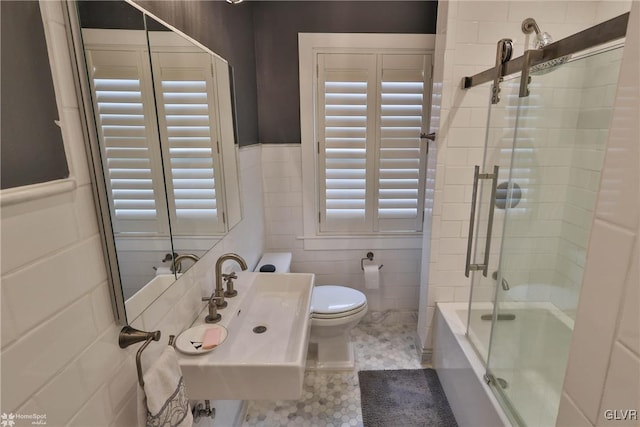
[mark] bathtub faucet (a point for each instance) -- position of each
(219, 293)
(504, 284)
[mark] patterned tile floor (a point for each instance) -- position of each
(333, 399)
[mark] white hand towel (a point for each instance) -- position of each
(163, 401)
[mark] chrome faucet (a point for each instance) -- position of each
(219, 293)
(177, 261)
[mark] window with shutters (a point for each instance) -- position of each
(371, 109)
(187, 146)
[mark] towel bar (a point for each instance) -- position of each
(129, 336)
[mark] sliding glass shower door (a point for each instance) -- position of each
(550, 151)
(489, 218)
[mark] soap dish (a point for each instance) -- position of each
(190, 341)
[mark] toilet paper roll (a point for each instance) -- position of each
(163, 270)
(372, 276)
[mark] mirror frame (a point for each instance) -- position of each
(101, 200)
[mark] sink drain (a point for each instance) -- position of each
(259, 329)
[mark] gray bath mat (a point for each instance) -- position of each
(404, 398)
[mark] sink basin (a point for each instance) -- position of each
(149, 293)
(264, 354)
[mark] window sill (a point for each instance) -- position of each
(319, 243)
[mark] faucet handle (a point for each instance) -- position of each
(213, 316)
(228, 278)
(219, 301)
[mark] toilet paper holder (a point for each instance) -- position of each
(370, 258)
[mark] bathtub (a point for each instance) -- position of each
(535, 382)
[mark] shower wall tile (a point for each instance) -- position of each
(467, 33)
(460, 125)
(552, 13)
(630, 321)
(617, 369)
(481, 11)
(611, 9)
(582, 11)
(586, 371)
(569, 415)
(621, 394)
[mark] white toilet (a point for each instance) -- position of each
(335, 310)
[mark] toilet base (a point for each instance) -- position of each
(331, 355)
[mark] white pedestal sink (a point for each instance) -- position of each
(249, 365)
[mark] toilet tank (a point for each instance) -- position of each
(281, 261)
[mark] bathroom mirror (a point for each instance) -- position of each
(164, 131)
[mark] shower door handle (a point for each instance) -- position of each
(474, 199)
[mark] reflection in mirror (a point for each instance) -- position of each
(164, 123)
(196, 131)
(119, 71)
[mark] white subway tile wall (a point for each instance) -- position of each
(462, 116)
(459, 120)
(66, 340)
(59, 339)
(400, 276)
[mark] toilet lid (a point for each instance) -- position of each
(331, 299)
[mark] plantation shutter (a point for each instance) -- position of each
(128, 139)
(346, 114)
(401, 161)
(189, 133)
(371, 110)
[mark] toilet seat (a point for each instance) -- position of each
(332, 302)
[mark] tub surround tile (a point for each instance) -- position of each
(569, 415)
(622, 389)
(601, 293)
(629, 331)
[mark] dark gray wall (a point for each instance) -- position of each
(112, 15)
(276, 28)
(31, 150)
(260, 41)
(227, 30)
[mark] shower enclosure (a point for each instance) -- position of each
(533, 203)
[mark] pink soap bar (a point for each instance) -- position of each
(211, 338)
